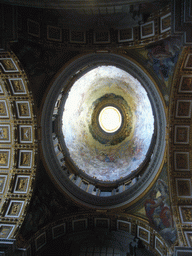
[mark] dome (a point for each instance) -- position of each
(107, 123)
(104, 130)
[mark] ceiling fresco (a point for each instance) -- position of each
(162, 57)
(156, 207)
(102, 159)
(159, 212)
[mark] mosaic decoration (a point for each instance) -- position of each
(98, 158)
(158, 211)
(162, 57)
(23, 139)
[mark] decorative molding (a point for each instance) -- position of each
(165, 22)
(18, 144)
(54, 33)
(143, 234)
(124, 225)
(58, 230)
(147, 30)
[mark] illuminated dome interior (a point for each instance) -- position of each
(96, 161)
(107, 123)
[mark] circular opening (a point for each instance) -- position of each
(95, 101)
(110, 119)
(92, 166)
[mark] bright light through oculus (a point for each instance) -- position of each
(110, 119)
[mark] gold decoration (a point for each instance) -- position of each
(159, 245)
(8, 64)
(12, 78)
(187, 214)
(128, 120)
(15, 208)
(26, 133)
(22, 184)
(190, 237)
(4, 231)
(3, 158)
(25, 159)
(4, 133)
(23, 109)
(18, 85)
(2, 182)
(2, 109)
(143, 234)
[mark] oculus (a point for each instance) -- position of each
(110, 119)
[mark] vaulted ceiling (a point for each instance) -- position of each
(46, 196)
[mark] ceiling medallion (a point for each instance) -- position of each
(121, 110)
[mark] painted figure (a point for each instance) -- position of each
(163, 58)
(158, 211)
(158, 214)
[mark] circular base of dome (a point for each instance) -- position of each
(69, 176)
